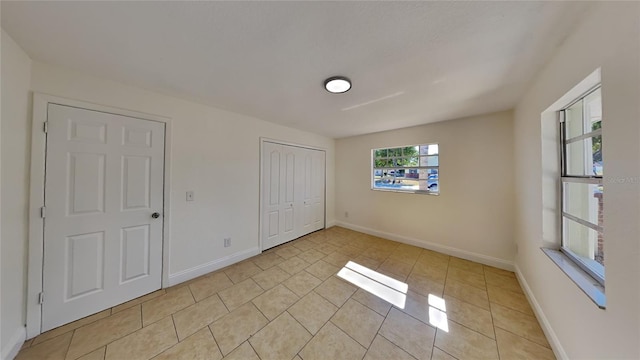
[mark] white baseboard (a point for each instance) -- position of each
(330, 223)
(556, 346)
(194, 272)
(480, 258)
(11, 349)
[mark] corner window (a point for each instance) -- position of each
(582, 188)
(413, 168)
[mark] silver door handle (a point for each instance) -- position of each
(155, 215)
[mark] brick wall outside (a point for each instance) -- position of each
(600, 249)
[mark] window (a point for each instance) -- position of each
(581, 179)
(409, 168)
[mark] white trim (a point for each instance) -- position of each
(36, 200)
(330, 223)
(583, 136)
(288, 143)
(468, 255)
(581, 180)
(582, 88)
(194, 272)
(556, 346)
(38, 149)
(14, 344)
(260, 191)
(166, 211)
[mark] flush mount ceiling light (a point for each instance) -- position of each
(337, 84)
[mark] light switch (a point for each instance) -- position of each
(189, 195)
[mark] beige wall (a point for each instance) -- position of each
(608, 37)
(214, 153)
(473, 215)
(16, 127)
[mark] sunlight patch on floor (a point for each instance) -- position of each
(392, 291)
(382, 286)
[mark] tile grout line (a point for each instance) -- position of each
(216, 341)
(223, 303)
(493, 323)
(252, 348)
(385, 319)
(191, 293)
(444, 287)
(175, 330)
(70, 342)
(494, 326)
(394, 344)
(368, 307)
(312, 335)
(351, 337)
(510, 308)
(522, 337)
(114, 340)
(435, 347)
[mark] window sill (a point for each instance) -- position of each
(422, 192)
(581, 278)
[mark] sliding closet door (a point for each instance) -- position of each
(293, 181)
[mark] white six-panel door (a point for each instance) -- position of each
(104, 181)
(292, 192)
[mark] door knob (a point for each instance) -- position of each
(155, 215)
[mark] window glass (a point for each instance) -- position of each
(582, 241)
(574, 122)
(411, 168)
(582, 187)
(583, 201)
(584, 157)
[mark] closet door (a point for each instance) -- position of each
(293, 201)
(312, 186)
(318, 190)
(279, 216)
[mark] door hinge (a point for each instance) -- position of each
(45, 127)
(41, 298)
(43, 212)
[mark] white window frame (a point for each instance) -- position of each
(593, 268)
(406, 169)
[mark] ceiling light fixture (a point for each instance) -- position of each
(337, 84)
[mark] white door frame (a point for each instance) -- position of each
(261, 203)
(36, 201)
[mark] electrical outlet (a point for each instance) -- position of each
(227, 242)
(346, 214)
(190, 195)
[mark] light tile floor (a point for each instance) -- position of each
(288, 303)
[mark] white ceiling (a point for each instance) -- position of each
(410, 62)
